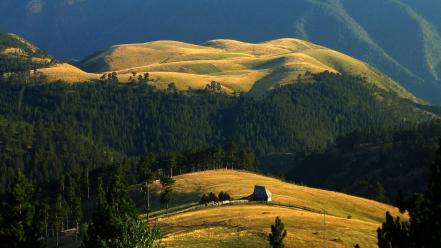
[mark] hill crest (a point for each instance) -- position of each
(238, 66)
(349, 219)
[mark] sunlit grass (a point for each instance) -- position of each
(238, 66)
(190, 187)
(248, 226)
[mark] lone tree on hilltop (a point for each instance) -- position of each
(278, 233)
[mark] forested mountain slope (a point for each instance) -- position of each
(118, 121)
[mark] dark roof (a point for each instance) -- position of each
(261, 193)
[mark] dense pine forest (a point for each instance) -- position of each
(54, 130)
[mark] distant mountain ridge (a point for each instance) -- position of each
(399, 37)
(238, 66)
(235, 66)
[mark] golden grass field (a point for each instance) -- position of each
(68, 73)
(238, 66)
(247, 225)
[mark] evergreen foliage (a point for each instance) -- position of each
(212, 197)
(204, 199)
(115, 221)
(278, 233)
(224, 196)
(380, 162)
(424, 228)
(20, 220)
(79, 132)
(166, 197)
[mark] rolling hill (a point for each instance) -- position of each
(403, 40)
(349, 219)
(67, 73)
(238, 66)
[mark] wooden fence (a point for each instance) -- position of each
(197, 206)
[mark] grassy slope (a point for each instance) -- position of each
(17, 53)
(67, 73)
(247, 226)
(232, 226)
(13, 45)
(239, 66)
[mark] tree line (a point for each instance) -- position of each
(114, 223)
(423, 229)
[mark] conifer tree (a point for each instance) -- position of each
(204, 199)
(278, 233)
(20, 223)
(147, 175)
(424, 228)
(167, 181)
(166, 197)
(115, 221)
(77, 212)
(59, 212)
(212, 197)
(426, 220)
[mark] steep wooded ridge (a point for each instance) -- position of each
(399, 37)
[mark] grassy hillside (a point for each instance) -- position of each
(238, 66)
(17, 54)
(68, 73)
(246, 226)
(190, 187)
(14, 45)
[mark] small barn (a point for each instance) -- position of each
(261, 193)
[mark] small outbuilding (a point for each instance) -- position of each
(261, 194)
